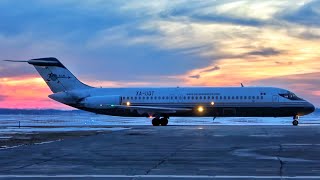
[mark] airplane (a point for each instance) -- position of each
(162, 103)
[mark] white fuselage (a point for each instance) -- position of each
(215, 101)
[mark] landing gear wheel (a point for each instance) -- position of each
(164, 121)
(155, 122)
(295, 121)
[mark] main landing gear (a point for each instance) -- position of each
(160, 121)
(295, 121)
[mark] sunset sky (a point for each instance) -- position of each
(160, 43)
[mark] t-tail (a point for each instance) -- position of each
(56, 75)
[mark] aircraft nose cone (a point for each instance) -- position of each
(313, 108)
(310, 108)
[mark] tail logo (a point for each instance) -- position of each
(54, 77)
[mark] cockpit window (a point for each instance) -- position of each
(290, 95)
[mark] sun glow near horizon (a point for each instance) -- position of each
(27, 93)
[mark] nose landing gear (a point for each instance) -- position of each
(295, 121)
(214, 118)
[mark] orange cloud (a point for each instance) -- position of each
(26, 92)
(249, 55)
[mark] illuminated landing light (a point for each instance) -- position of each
(128, 103)
(212, 103)
(100, 105)
(200, 109)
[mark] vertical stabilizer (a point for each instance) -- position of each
(56, 75)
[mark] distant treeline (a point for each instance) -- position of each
(40, 111)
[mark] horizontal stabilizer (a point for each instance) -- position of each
(16, 60)
(49, 61)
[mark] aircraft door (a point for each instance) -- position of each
(275, 98)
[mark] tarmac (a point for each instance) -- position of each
(172, 152)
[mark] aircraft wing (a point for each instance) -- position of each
(152, 109)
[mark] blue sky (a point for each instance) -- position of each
(89, 32)
(168, 43)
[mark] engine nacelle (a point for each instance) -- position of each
(101, 102)
(62, 97)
